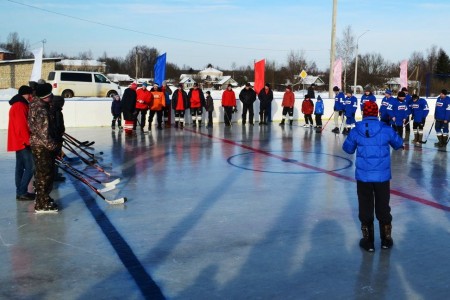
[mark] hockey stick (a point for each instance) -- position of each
(323, 128)
(83, 180)
(106, 184)
(426, 140)
(85, 143)
(89, 154)
(88, 162)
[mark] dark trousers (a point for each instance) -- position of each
(288, 111)
(210, 118)
(247, 108)
(44, 160)
(159, 115)
(179, 116)
(143, 113)
(398, 129)
(318, 120)
(308, 119)
(118, 118)
(263, 115)
(374, 195)
(24, 170)
(167, 111)
(227, 114)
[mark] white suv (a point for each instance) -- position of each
(70, 84)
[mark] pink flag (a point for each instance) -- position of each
(404, 74)
(337, 73)
(259, 75)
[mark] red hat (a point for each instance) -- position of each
(133, 86)
(370, 109)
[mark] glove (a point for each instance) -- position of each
(235, 109)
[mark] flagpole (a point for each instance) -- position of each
(333, 48)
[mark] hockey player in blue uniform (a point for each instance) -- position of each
(419, 112)
(339, 100)
(442, 117)
(398, 111)
(368, 96)
(384, 116)
(350, 107)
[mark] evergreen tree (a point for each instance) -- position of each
(442, 63)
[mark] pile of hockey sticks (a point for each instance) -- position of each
(72, 145)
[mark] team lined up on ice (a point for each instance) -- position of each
(397, 112)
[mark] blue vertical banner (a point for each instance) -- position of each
(160, 69)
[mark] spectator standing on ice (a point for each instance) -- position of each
(196, 104)
(180, 103)
(167, 111)
(288, 105)
(209, 108)
(247, 97)
(157, 106)
(265, 97)
(385, 102)
(143, 99)
(19, 141)
(372, 139)
(442, 117)
(307, 110)
(129, 108)
(116, 112)
(228, 104)
(419, 112)
(350, 107)
(311, 91)
(339, 100)
(44, 148)
(318, 113)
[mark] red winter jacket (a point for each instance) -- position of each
(18, 131)
(228, 98)
(143, 98)
(307, 107)
(288, 99)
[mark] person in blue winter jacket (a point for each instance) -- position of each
(339, 100)
(372, 139)
(419, 111)
(367, 96)
(408, 100)
(318, 113)
(442, 117)
(384, 116)
(398, 112)
(350, 107)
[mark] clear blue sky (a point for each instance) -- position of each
(252, 30)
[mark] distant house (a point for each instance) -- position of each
(120, 79)
(6, 55)
(395, 85)
(210, 74)
(82, 65)
(187, 82)
(17, 72)
(310, 80)
(224, 82)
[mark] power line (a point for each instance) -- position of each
(149, 34)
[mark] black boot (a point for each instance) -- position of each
(335, 130)
(282, 122)
(385, 234)
(368, 236)
(176, 124)
(194, 123)
(291, 122)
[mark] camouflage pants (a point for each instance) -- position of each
(44, 160)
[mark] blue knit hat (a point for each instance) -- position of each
(388, 91)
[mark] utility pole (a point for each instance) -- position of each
(333, 48)
(356, 61)
(137, 58)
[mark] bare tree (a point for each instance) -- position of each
(140, 61)
(345, 49)
(17, 46)
(296, 62)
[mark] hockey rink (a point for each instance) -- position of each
(261, 212)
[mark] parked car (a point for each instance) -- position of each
(70, 84)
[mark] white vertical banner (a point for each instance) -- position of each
(404, 74)
(337, 73)
(36, 74)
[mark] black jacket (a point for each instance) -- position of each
(247, 96)
(265, 99)
(129, 104)
(175, 99)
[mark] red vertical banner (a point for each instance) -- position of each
(260, 67)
